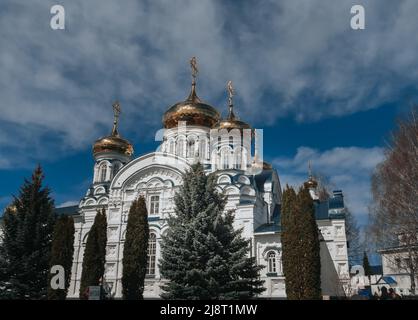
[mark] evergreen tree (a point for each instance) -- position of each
(366, 266)
(135, 251)
(202, 256)
(26, 245)
(300, 242)
(94, 255)
(290, 238)
(310, 247)
(62, 254)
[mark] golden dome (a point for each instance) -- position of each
(311, 183)
(114, 142)
(193, 111)
(231, 122)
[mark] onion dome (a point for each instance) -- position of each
(193, 111)
(114, 142)
(231, 122)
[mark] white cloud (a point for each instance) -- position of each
(68, 204)
(347, 168)
(56, 87)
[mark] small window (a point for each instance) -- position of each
(154, 205)
(152, 246)
(103, 172)
(271, 258)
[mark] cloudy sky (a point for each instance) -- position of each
(320, 90)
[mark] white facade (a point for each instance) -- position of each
(255, 196)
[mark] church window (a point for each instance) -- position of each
(154, 205)
(202, 149)
(181, 147)
(171, 147)
(238, 158)
(224, 159)
(152, 246)
(103, 172)
(191, 149)
(271, 259)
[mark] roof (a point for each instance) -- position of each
(376, 270)
(268, 227)
(324, 210)
(386, 279)
(66, 211)
(321, 210)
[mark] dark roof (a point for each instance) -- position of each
(321, 210)
(67, 211)
(376, 270)
(387, 280)
(276, 214)
(336, 202)
(331, 208)
(268, 227)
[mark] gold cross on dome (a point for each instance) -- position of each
(231, 91)
(116, 109)
(193, 64)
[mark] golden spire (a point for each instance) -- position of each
(311, 183)
(231, 93)
(116, 112)
(193, 96)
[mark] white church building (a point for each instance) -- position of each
(252, 188)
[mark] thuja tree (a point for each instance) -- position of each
(310, 247)
(135, 251)
(25, 248)
(300, 241)
(94, 255)
(62, 255)
(291, 244)
(202, 256)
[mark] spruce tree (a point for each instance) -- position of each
(62, 254)
(290, 238)
(26, 245)
(366, 266)
(135, 251)
(94, 255)
(202, 256)
(310, 247)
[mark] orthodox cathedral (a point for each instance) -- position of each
(251, 185)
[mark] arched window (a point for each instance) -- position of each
(271, 259)
(191, 148)
(172, 146)
(238, 158)
(224, 159)
(154, 205)
(181, 147)
(103, 172)
(202, 148)
(152, 246)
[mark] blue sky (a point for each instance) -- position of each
(320, 91)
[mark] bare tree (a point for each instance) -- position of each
(394, 212)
